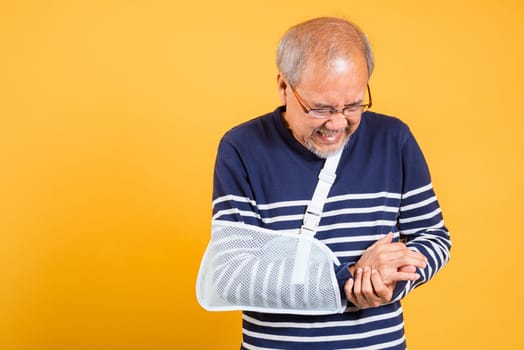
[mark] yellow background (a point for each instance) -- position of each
(110, 114)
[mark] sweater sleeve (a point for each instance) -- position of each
(420, 220)
(233, 198)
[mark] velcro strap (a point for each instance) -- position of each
(326, 177)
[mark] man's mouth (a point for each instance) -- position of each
(329, 135)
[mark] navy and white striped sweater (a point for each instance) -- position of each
(265, 177)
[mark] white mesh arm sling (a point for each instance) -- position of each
(246, 267)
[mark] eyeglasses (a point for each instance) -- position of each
(323, 113)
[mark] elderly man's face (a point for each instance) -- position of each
(341, 84)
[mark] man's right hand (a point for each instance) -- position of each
(378, 270)
(393, 261)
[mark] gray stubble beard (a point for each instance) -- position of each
(311, 147)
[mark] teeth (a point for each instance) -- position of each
(327, 133)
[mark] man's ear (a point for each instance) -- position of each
(282, 88)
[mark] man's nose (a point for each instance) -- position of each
(337, 121)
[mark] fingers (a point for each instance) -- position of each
(384, 240)
(396, 255)
(407, 268)
(381, 290)
(367, 289)
(393, 255)
(407, 260)
(357, 289)
(378, 270)
(365, 295)
(348, 290)
(405, 276)
(353, 290)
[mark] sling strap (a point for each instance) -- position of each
(313, 213)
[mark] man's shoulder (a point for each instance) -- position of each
(382, 124)
(383, 121)
(258, 128)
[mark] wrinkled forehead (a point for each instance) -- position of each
(353, 67)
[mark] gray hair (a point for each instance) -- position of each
(324, 38)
